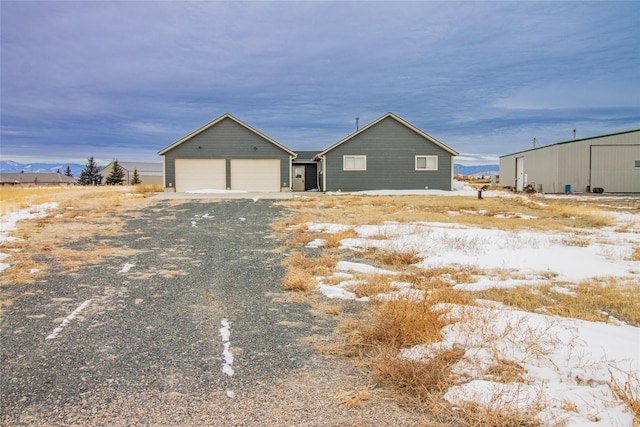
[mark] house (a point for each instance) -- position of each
(39, 179)
(608, 163)
(148, 172)
(227, 154)
(387, 154)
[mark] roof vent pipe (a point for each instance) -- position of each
(574, 134)
(357, 118)
(534, 142)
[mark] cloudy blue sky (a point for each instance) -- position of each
(124, 79)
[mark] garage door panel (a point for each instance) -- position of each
(200, 174)
(256, 175)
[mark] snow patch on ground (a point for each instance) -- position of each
(567, 365)
(9, 220)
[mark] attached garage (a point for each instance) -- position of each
(245, 171)
(227, 154)
(200, 174)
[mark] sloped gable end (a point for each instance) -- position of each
(428, 137)
(215, 122)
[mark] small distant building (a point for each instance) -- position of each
(609, 163)
(36, 179)
(149, 173)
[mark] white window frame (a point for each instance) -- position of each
(427, 168)
(354, 168)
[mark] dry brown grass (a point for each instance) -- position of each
(496, 414)
(368, 285)
(375, 336)
(439, 277)
(297, 279)
(301, 270)
(393, 323)
(635, 255)
(146, 189)
(63, 237)
(593, 300)
(360, 209)
(423, 380)
(316, 266)
(332, 240)
(400, 258)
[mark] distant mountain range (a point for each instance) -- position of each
(485, 170)
(9, 166)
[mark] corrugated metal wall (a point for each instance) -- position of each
(580, 164)
(613, 168)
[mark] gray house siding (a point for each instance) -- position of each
(228, 140)
(391, 149)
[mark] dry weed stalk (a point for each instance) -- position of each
(627, 390)
(355, 398)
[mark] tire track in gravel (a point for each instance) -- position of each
(148, 349)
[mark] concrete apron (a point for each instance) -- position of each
(223, 196)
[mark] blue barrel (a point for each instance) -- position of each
(567, 188)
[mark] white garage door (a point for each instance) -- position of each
(201, 174)
(259, 175)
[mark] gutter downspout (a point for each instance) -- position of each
(452, 174)
(324, 173)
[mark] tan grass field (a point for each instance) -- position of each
(60, 239)
(374, 336)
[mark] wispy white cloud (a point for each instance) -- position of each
(483, 77)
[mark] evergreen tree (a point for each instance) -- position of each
(116, 176)
(90, 175)
(135, 179)
(67, 171)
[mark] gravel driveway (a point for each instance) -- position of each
(193, 328)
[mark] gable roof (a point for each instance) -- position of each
(571, 141)
(306, 155)
(37, 177)
(142, 167)
(215, 122)
(399, 120)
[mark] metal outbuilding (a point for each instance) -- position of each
(609, 163)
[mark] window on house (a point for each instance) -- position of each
(426, 163)
(354, 163)
(638, 163)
